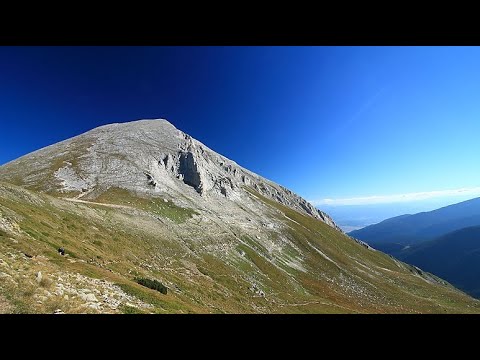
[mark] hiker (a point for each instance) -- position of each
(61, 251)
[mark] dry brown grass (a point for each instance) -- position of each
(5, 306)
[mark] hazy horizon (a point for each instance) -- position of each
(354, 217)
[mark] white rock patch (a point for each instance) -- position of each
(70, 180)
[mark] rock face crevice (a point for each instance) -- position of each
(150, 180)
(189, 172)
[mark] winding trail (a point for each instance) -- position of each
(102, 204)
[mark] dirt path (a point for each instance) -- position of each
(102, 204)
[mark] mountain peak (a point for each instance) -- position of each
(141, 123)
(152, 158)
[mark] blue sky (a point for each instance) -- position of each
(327, 122)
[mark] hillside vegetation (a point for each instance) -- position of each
(297, 265)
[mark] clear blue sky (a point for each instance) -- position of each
(327, 122)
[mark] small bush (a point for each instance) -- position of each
(152, 284)
(45, 283)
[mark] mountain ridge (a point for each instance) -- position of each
(179, 156)
(453, 256)
(415, 228)
(149, 220)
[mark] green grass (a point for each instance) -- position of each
(156, 206)
(169, 210)
(125, 309)
(255, 245)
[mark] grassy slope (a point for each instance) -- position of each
(454, 256)
(117, 244)
(389, 286)
(41, 178)
(156, 206)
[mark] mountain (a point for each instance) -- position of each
(413, 229)
(153, 221)
(146, 158)
(454, 257)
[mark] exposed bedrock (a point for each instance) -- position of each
(145, 155)
(189, 171)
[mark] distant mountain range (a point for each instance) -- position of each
(445, 242)
(424, 226)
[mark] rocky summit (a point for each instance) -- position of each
(140, 217)
(149, 158)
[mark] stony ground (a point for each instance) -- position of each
(38, 283)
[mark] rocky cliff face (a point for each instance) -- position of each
(151, 157)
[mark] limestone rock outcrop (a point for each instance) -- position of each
(148, 157)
